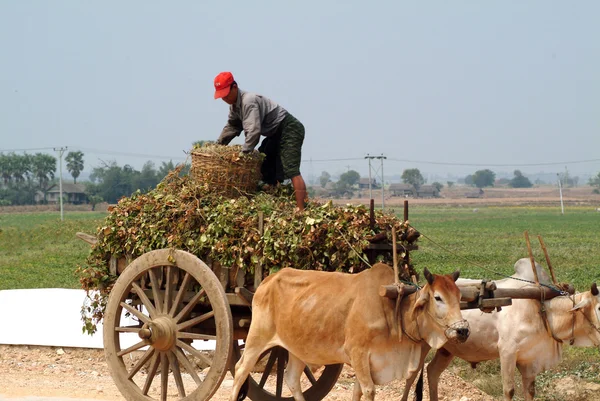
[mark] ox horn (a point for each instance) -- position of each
(594, 290)
(428, 276)
(456, 275)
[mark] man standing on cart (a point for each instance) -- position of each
(256, 115)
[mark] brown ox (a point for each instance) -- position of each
(517, 335)
(325, 318)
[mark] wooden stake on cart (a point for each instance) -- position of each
(535, 275)
(395, 255)
(547, 259)
(258, 270)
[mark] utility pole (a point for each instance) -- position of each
(370, 181)
(60, 157)
(382, 157)
(562, 207)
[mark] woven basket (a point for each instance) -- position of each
(225, 171)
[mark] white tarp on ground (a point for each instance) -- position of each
(52, 317)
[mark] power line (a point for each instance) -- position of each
(496, 165)
(119, 153)
(24, 150)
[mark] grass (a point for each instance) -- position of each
(38, 250)
(487, 242)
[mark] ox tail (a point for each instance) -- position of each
(243, 393)
(419, 388)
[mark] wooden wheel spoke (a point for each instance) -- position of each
(145, 300)
(180, 294)
(135, 312)
(196, 320)
(164, 376)
(168, 288)
(188, 366)
(128, 329)
(176, 374)
(151, 373)
(310, 376)
(194, 352)
(188, 308)
(155, 290)
(134, 347)
(268, 368)
(149, 352)
(195, 336)
(280, 371)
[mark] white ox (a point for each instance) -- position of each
(325, 318)
(517, 335)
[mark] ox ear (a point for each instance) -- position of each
(456, 275)
(423, 299)
(580, 305)
(428, 276)
(594, 290)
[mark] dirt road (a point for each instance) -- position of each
(82, 373)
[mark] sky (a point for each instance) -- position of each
(447, 87)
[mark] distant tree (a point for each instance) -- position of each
(43, 167)
(165, 168)
(502, 182)
(113, 181)
(413, 176)
(21, 167)
(74, 164)
(350, 177)
(484, 178)
(438, 186)
(147, 178)
(324, 178)
(450, 184)
(520, 181)
(469, 179)
(595, 182)
(92, 190)
(6, 168)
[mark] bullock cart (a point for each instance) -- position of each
(174, 325)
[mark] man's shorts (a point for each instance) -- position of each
(292, 138)
(283, 151)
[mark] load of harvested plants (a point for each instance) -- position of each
(184, 214)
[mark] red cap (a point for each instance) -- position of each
(223, 83)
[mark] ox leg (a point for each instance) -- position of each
(362, 368)
(508, 363)
(243, 367)
(438, 364)
(293, 372)
(357, 391)
(528, 382)
(409, 382)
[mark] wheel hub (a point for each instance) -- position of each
(160, 332)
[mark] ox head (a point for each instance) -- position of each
(589, 305)
(441, 317)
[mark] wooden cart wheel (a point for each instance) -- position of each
(269, 385)
(184, 302)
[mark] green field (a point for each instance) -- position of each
(486, 243)
(38, 250)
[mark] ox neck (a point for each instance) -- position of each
(564, 324)
(409, 318)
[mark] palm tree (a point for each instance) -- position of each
(43, 167)
(21, 167)
(74, 164)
